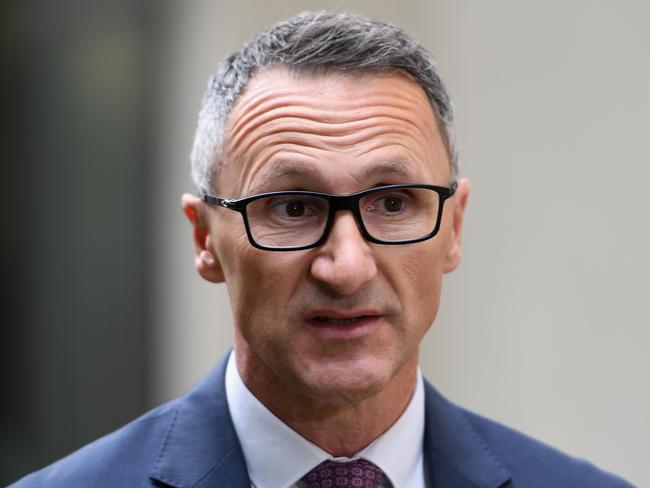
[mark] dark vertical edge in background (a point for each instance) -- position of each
(149, 23)
(78, 93)
(15, 267)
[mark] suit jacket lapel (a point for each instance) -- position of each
(456, 455)
(201, 447)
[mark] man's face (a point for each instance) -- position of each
(337, 322)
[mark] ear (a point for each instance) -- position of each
(454, 251)
(205, 258)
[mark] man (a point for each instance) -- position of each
(330, 205)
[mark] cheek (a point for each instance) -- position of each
(426, 289)
(420, 284)
(260, 283)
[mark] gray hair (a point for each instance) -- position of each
(317, 42)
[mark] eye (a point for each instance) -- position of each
(292, 208)
(295, 208)
(393, 204)
(389, 203)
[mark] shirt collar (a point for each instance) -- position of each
(398, 451)
(267, 442)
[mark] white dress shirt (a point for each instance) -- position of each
(277, 456)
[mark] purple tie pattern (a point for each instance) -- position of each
(353, 474)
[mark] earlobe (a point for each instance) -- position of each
(454, 252)
(206, 262)
(208, 266)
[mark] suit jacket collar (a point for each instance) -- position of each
(201, 448)
(456, 454)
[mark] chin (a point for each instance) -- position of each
(345, 382)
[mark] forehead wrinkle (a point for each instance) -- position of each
(263, 150)
(275, 103)
(296, 131)
(278, 87)
(307, 138)
(255, 99)
(271, 105)
(257, 152)
(274, 113)
(317, 119)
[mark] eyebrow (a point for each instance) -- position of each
(284, 169)
(390, 167)
(292, 169)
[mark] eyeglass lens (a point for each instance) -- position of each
(299, 220)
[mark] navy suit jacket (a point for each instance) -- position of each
(191, 442)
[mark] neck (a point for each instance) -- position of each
(341, 429)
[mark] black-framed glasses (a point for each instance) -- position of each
(295, 220)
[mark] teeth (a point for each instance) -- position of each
(333, 320)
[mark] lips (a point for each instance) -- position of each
(338, 321)
(341, 317)
(343, 325)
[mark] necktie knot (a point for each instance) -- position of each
(353, 474)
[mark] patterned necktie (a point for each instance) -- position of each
(330, 474)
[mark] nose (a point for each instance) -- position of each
(345, 262)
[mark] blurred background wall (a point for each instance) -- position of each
(545, 325)
(77, 91)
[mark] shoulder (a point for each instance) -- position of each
(488, 453)
(535, 464)
(118, 459)
(179, 443)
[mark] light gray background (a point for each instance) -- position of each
(545, 325)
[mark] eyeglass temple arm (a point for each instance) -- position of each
(223, 202)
